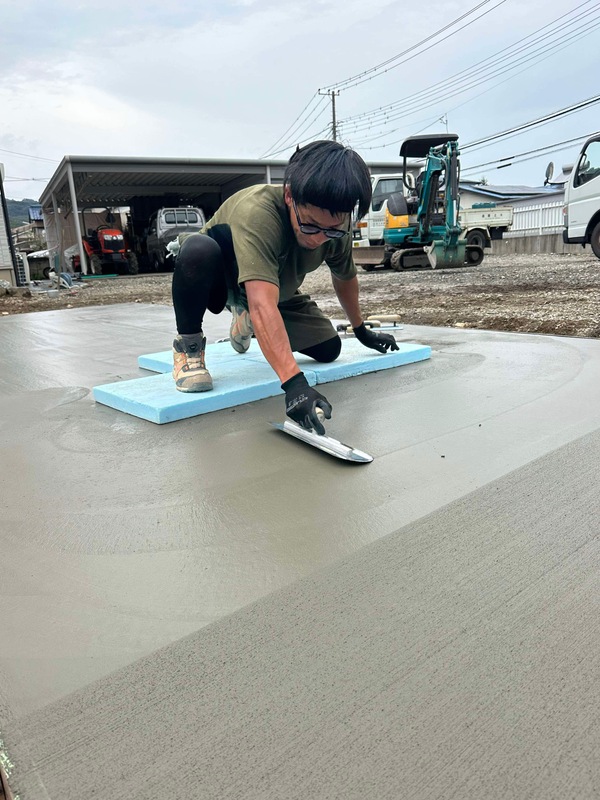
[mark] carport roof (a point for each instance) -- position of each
(116, 180)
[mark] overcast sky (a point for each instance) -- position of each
(194, 79)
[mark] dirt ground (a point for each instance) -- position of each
(556, 294)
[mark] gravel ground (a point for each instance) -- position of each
(557, 294)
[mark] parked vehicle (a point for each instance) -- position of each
(107, 249)
(369, 230)
(582, 199)
(423, 226)
(165, 225)
(484, 223)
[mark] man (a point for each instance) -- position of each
(253, 256)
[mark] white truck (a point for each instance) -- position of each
(485, 222)
(481, 224)
(582, 198)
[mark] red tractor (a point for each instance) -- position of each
(107, 247)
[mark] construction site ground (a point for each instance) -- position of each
(545, 293)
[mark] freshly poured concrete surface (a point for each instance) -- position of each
(118, 538)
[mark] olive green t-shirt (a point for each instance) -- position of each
(265, 245)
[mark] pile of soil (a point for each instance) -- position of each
(557, 294)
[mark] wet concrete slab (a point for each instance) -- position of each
(119, 538)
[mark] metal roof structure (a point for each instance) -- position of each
(507, 192)
(117, 180)
(35, 214)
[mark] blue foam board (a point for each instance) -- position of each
(238, 378)
(356, 359)
(156, 399)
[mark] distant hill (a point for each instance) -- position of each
(18, 211)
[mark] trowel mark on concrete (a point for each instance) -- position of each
(22, 409)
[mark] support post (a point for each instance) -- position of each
(59, 237)
(82, 255)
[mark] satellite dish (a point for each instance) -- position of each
(549, 173)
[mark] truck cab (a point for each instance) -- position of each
(371, 226)
(165, 225)
(582, 198)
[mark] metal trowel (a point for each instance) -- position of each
(323, 442)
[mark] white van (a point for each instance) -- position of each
(165, 225)
(582, 198)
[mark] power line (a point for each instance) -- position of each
(373, 69)
(307, 126)
(273, 146)
(382, 110)
(25, 155)
(460, 105)
(562, 112)
(441, 90)
(534, 153)
(361, 142)
(362, 77)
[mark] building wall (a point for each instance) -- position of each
(546, 243)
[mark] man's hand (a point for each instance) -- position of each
(377, 341)
(302, 401)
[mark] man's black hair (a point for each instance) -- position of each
(328, 175)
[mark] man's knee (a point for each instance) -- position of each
(326, 351)
(199, 251)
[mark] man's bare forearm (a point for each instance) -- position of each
(269, 328)
(347, 294)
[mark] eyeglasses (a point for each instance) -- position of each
(312, 230)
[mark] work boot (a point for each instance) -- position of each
(241, 330)
(189, 369)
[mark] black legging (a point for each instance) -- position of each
(200, 282)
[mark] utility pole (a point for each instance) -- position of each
(333, 94)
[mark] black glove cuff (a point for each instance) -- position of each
(360, 331)
(296, 382)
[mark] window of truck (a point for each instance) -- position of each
(589, 164)
(383, 190)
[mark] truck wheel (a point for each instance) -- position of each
(473, 255)
(477, 238)
(132, 263)
(595, 240)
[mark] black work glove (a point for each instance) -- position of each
(302, 401)
(377, 341)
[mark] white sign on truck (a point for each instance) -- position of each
(582, 198)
